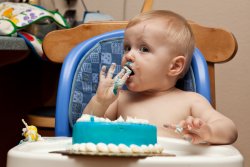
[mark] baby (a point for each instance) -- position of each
(158, 47)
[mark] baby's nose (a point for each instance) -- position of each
(130, 56)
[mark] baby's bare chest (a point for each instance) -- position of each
(156, 110)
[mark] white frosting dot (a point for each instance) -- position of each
(84, 118)
(102, 147)
(124, 149)
(75, 147)
(145, 149)
(102, 119)
(159, 148)
(150, 147)
(113, 148)
(154, 149)
(136, 149)
(107, 120)
(120, 119)
(129, 119)
(91, 147)
(82, 147)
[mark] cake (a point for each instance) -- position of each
(94, 134)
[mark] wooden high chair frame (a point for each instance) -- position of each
(216, 44)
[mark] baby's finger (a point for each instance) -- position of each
(188, 137)
(124, 79)
(197, 123)
(111, 71)
(183, 124)
(119, 82)
(177, 128)
(189, 122)
(204, 132)
(120, 74)
(170, 126)
(193, 138)
(102, 72)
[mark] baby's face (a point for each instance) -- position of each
(146, 46)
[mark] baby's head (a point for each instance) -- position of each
(177, 33)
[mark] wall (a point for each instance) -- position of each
(232, 81)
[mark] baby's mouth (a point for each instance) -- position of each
(127, 67)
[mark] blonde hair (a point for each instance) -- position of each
(178, 32)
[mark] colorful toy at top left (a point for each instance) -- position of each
(17, 16)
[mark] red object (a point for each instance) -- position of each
(27, 36)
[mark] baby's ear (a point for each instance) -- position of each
(177, 65)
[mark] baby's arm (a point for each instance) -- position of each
(105, 95)
(206, 124)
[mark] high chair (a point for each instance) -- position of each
(78, 82)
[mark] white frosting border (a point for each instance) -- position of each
(89, 118)
(112, 148)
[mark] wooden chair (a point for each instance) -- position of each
(216, 44)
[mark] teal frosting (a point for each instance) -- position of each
(128, 63)
(115, 133)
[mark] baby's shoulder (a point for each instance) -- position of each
(190, 95)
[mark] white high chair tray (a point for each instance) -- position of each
(38, 154)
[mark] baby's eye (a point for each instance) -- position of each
(144, 49)
(127, 48)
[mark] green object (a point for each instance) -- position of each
(17, 16)
(116, 85)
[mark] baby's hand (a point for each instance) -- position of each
(107, 84)
(193, 130)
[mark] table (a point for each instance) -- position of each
(12, 50)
